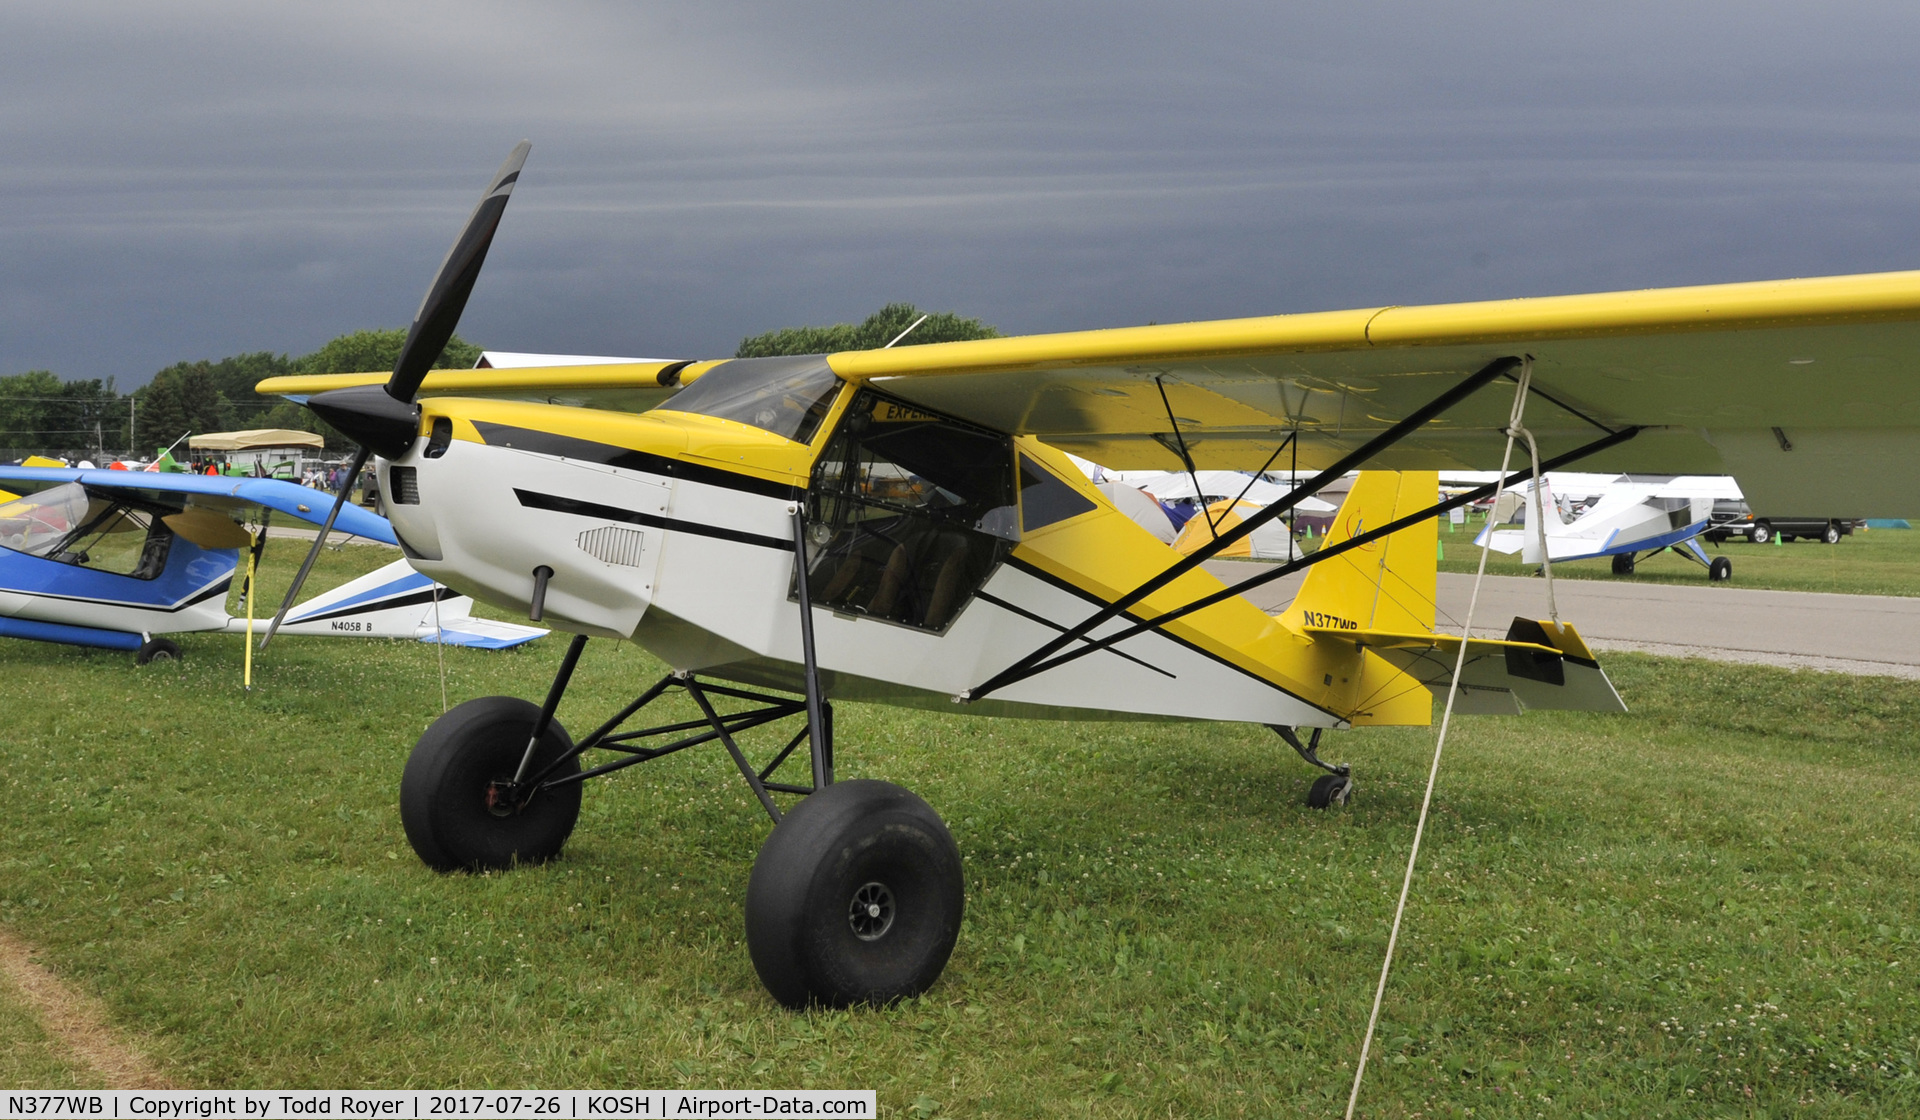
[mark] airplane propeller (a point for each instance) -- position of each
(383, 419)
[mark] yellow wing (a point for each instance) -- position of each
(1712, 372)
(626, 386)
(1808, 391)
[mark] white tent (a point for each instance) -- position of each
(503, 359)
(1143, 509)
(1217, 485)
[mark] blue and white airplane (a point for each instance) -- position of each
(1625, 517)
(113, 559)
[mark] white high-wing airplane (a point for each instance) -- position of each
(903, 526)
(1627, 517)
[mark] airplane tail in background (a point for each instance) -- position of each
(1388, 584)
(396, 602)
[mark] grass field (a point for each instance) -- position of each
(1876, 562)
(1706, 907)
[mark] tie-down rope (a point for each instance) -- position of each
(1446, 720)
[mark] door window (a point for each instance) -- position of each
(910, 513)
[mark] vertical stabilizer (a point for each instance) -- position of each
(1550, 517)
(1387, 585)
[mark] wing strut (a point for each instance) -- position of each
(1025, 667)
(1186, 457)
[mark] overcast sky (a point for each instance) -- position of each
(191, 180)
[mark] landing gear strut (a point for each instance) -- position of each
(855, 897)
(1336, 787)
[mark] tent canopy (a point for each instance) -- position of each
(255, 439)
(1216, 485)
(1272, 541)
(1144, 510)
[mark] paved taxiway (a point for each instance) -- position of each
(1873, 635)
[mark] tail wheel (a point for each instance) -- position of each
(1330, 790)
(856, 897)
(454, 801)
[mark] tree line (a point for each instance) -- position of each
(89, 418)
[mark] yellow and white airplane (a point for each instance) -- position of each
(903, 526)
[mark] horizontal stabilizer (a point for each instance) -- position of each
(1539, 664)
(397, 602)
(477, 633)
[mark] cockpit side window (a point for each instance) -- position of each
(910, 513)
(786, 396)
(65, 525)
(1045, 499)
(119, 539)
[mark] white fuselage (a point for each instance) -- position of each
(698, 566)
(1628, 517)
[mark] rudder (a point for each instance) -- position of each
(1388, 584)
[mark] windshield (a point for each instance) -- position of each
(786, 396)
(36, 523)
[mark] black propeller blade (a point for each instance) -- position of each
(383, 420)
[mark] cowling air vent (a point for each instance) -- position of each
(406, 486)
(611, 544)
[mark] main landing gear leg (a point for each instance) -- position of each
(465, 799)
(1719, 568)
(1336, 787)
(857, 894)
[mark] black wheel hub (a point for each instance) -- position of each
(870, 912)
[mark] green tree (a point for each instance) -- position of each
(210, 396)
(236, 376)
(878, 329)
(376, 351)
(24, 400)
(91, 416)
(182, 398)
(232, 380)
(40, 412)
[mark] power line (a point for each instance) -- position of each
(48, 432)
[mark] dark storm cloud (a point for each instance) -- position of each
(194, 180)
